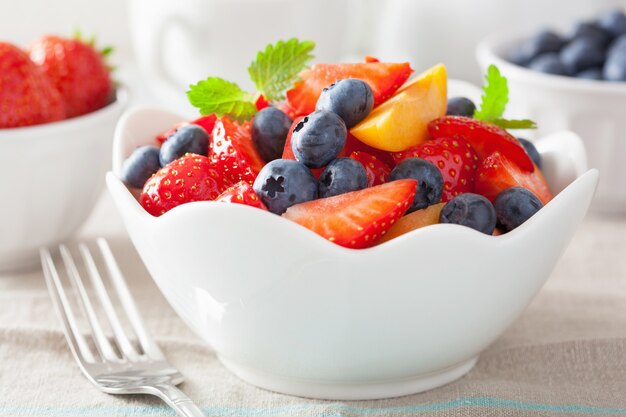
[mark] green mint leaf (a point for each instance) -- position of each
(495, 96)
(515, 123)
(276, 68)
(216, 95)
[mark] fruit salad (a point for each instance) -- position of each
(54, 79)
(359, 153)
(592, 50)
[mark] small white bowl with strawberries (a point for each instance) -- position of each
(58, 112)
(360, 236)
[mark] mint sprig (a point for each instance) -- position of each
(273, 71)
(495, 96)
(276, 67)
(224, 98)
(494, 100)
(515, 123)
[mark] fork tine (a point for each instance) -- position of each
(123, 343)
(102, 343)
(148, 344)
(78, 344)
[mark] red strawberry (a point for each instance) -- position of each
(261, 102)
(485, 138)
(456, 160)
(233, 153)
(383, 78)
(190, 178)
(241, 193)
(357, 219)
(77, 70)
(288, 110)
(497, 173)
(377, 172)
(206, 122)
(27, 97)
(355, 145)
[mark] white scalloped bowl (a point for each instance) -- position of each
(291, 312)
(51, 179)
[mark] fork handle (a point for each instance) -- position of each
(177, 399)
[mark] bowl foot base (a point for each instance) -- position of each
(350, 391)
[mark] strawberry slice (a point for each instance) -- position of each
(187, 179)
(357, 219)
(383, 78)
(233, 153)
(288, 110)
(261, 102)
(485, 138)
(206, 122)
(456, 160)
(377, 172)
(497, 173)
(241, 193)
(355, 145)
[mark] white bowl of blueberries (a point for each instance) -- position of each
(574, 79)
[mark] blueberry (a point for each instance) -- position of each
(283, 183)
(352, 99)
(341, 176)
(514, 206)
(140, 166)
(518, 57)
(531, 151)
(269, 132)
(619, 44)
(613, 22)
(549, 63)
(591, 74)
(543, 42)
(615, 67)
(471, 210)
(186, 139)
(461, 106)
(591, 31)
(429, 181)
(318, 138)
(582, 54)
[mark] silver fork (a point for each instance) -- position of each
(126, 370)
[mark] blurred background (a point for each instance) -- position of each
(162, 46)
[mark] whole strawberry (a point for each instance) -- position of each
(455, 158)
(77, 70)
(190, 178)
(27, 97)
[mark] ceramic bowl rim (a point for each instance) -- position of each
(42, 131)
(492, 48)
